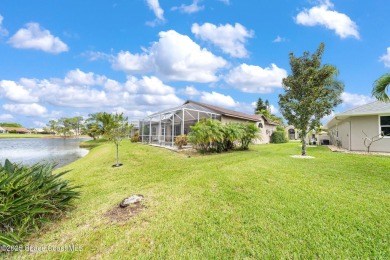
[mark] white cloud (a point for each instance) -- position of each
(3, 31)
(279, 39)
(35, 37)
(331, 19)
(5, 117)
(254, 79)
(218, 99)
(174, 57)
(16, 92)
(78, 77)
(148, 85)
(131, 63)
(354, 100)
(273, 109)
(231, 39)
(88, 90)
(190, 91)
(39, 123)
(154, 5)
(226, 2)
(386, 58)
(189, 9)
(33, 109)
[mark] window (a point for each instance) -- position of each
(385, 125)
(261, 125)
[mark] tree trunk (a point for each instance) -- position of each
(303, 139)
(117, 155)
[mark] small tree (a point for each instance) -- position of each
(311, 92)
(117, 128)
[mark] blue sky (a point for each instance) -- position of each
(68, 58)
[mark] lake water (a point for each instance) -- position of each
(60, 151)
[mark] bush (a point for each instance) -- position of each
(135, 138)
(250, 132)
(206, 135)
(211, 136)
(30, 196)
(278, 137)
(181, 141)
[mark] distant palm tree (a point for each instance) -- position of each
(381, 85)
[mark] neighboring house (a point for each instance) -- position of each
(162, 127)
(349, 129)
(315, 138)
(2, 130)
(18, 130)
(292, 133)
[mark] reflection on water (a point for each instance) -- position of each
(60, 151)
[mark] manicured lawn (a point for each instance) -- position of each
(255, 204)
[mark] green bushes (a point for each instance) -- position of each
(212, 136)
(181, 141)
(278, 137)
(30, 196)
(135, 138)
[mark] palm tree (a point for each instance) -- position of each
(381, 85)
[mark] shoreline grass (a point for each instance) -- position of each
(254, 204)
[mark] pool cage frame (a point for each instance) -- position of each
(161, 128)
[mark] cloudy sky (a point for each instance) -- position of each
(68, 58)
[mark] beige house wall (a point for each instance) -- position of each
(351, 136)
(264, 135)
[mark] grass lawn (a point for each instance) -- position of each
(254, 204)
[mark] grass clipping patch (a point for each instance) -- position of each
(128, 208)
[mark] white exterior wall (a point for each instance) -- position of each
(352, 138)
(370, 125)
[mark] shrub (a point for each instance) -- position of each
(206, 135)
(211, 136)
(30, 196)
(135, 138)
(181, 140)
(278, 137)
(249, 132)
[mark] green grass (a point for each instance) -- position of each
(93, 143)
(252, 204)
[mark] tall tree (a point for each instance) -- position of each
(260, 106)
(381, 85)
(311, 92)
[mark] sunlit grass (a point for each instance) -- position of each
(254, 204)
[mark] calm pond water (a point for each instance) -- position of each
(60, 151)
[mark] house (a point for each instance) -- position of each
(349, 129)
(17, 130)
(162, 127)
(2, 130)
(315, 138)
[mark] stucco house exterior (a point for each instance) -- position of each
(162, 127)
(350, 128)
